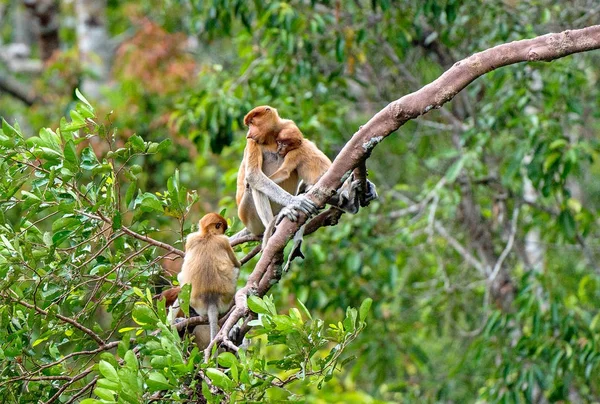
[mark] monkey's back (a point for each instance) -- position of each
(207, 266)
(314, 164)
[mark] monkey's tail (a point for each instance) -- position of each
(268, 232)
(213, 319)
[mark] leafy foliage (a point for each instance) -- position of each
(77, 290)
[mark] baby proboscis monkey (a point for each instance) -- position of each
(211, 268)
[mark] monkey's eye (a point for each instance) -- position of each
(218, 225)
(267, 109)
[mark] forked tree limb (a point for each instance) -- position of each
(433, 96)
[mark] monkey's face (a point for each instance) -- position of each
(260, 122)
(286, 145)
(282, 148)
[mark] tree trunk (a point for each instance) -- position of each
(47, 14)
(94, 48)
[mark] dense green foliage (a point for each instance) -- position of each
(518, 149)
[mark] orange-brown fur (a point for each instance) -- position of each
(211, 268)
(300, 155)
(260, 154)
(210, 265)
(170, 295)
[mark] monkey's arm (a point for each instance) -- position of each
(241, 180)
(290, 163)
(231, 253)
(260, 182)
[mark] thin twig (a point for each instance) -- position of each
(508, 248)
(68, 320)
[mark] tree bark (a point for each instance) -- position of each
(94, 49)
(46, 12)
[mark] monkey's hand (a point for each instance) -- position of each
(369, 194)
(299, 203)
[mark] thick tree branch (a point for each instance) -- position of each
(434, 95)
(17, 89)
(46, 12)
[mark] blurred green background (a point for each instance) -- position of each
(481, 254)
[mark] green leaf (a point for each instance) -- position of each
(7, 243)
(558, 144)
(151, 203)
(50, 140)
(567, 224)
(47, 238)
(184, 298)
(107, 384)
(117, 221)
(283, 323)
(65, 223)
(304, 309)
(29, 195)
(108, 371)
(137, 143)
(165, 144)
(77, 120)
(550, 160)
(365, 306)
(71, 155)
(157, 381)
(60, 236)
(105, 394)
(131, 361)
(218, 378)
(226, 359)
(9, 130)
(83, 99)
(455, 169)
(143, 315)
(256, 304)
(90, 401)
(88, 159)
(339, 49)
(39, 341)
(130, 193)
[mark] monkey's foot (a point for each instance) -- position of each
(351, 197)
(296, 248)
(348, 197)
(237, 337)
(370, 194)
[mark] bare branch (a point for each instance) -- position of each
(17, 89)
(459, 248)
(68, 320)
(509, 244)
(69, 383)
